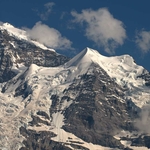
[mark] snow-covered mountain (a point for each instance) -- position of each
(17, 52)
(90, 102)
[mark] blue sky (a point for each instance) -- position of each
(112, 27)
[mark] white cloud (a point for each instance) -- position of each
(50, 37)
(143, 122)
(1, 23)
(143, 41)
(102, 28)
(48, 9)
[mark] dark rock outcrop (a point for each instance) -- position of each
(146, 76)
(99, 109)
(40, 140)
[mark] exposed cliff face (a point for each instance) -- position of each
(98, 108)
(15, 53)
(146, 77)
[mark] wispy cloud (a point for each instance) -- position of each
(50, 37)
(143, 122)
(102, 28)
(143, 41)
(63, 15)
(48, 10)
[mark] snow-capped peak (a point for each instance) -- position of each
(7, 25)
(121, 68)
(85, 58)
(21, 34)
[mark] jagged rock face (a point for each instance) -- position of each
(97, 112)
(16, 51)
(146, 77)
(99, 109)
(40, 141)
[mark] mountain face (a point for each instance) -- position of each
(90, 102)
(16, 52)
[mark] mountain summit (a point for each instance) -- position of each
(89, 102)
(85, 57)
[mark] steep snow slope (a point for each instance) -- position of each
(21, 34)
(122, 69)
(32, 91)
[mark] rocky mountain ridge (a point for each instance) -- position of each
(17, 52)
